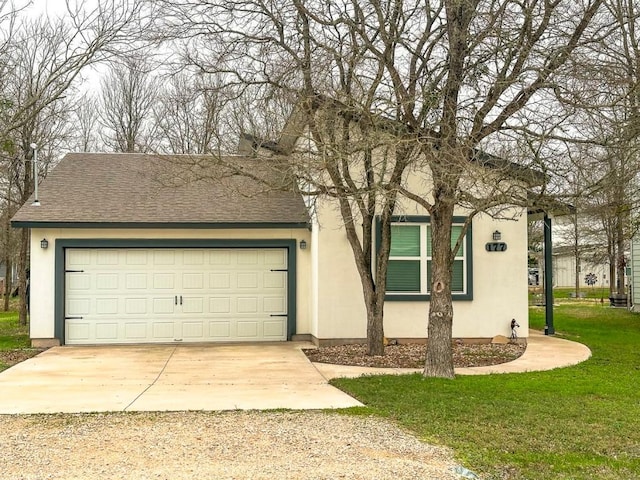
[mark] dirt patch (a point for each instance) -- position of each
(412, 355)
(8, 358)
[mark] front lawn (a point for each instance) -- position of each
(581, 422)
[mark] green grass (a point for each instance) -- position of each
(13, 336)
(563, 294)
(581, 422)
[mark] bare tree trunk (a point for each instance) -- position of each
(22, 276)
(8, 283)
(439, 361)
(611, 256)
(576, 253)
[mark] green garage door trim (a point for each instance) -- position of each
(62, 244)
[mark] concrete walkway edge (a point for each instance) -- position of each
(542, 353)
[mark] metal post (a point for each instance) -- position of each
(36, 200)
(548, 277)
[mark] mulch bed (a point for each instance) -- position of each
(11, 357)
(412, 355)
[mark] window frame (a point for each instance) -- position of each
(425, 295)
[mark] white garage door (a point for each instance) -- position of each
(175, 295)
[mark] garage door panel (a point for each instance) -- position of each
(107, 331)
(107, 306)
(78, 330)
(135, 331)
(78, 258)
(274, 280)
(78, 281)
(275, 258)
(193, 257)
(78, 306)
(274, 304)
(219, 257)
(192, 330)
(163, 305)
(107, 257)
(136, 281)
(163, 330)
(247, 257)
(219, 281)
(164, 281)
(136, 257)
(220, 305)
(193, 281)
(135, 306)
(106, 281)
(167, 295)
(247, 305)
(164, 257)
(220, 330)
(247, 280)
(247, 329)
(274, 328)
(193, 305)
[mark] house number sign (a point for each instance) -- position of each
(495, 247)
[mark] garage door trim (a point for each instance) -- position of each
(62, 244)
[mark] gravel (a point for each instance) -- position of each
(228, 445)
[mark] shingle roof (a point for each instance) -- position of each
(99, 188)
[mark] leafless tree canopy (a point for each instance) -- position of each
(446, 77)
(40, 58)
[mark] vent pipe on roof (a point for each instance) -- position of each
(36, 201)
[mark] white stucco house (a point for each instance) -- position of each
(121, 252)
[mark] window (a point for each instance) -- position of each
(409, 271)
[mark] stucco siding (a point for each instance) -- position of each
(499, 284)
(635, 272)
(42, 309)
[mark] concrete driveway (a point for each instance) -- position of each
(166, 378)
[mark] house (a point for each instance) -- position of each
(634, 273)
(564, 267)
(133, 248)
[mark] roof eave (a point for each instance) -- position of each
(164, 225)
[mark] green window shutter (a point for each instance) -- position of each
(403, 276)
(457, 277)
(405, 241)
(456, 230)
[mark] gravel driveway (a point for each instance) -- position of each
(230, 445)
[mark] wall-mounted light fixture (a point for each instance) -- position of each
(303, 244)
(496, 236)
(44, 243)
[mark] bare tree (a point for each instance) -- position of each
(43, 57)
(86, 118)
(187, 115)
(606, 97)
(128, 94)
(447, 76)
